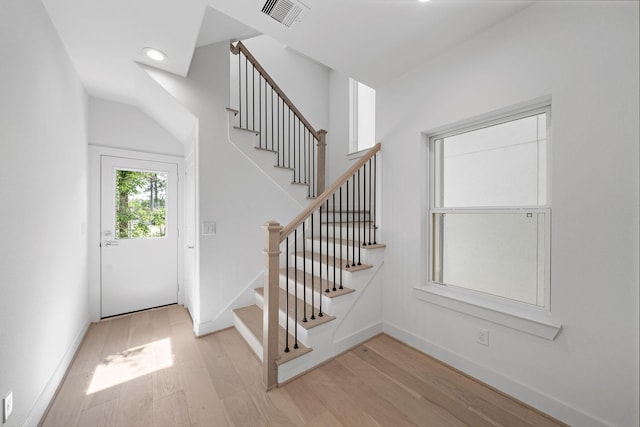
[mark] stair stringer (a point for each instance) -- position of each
(245, 142)
(358, 318)
(225, 317)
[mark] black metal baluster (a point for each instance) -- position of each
(326, 216)
(341, 242)
(375, 196)
(353, 220)
(278, 125)
(246, 92)
(295, 144)
(240, 88)
(334, 239)
(348, 265)
(262, 144)
(314, 166)
(304, 274)
(320, 314)
(295, 290)
(306, 158)
(313, 277)
(364, 206)
(253, 97)
(371, 224)
(286, 339)
(299, 154)
(359, 220)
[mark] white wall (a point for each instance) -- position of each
(231, 192)
(585, 55)
(338, 137)
(303, 80)
(43, 209)
(112, 124)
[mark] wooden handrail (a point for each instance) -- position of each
(240, 47)
(295, 223)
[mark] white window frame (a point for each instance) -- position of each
(525, 317)
(354, 100)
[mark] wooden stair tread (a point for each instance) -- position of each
(247, 130)
(324, 259)
(346, 242)
(318, 284)
(351, 221)
(310, 323)
(268, 150)
(252, 317)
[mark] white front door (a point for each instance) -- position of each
(139, 234)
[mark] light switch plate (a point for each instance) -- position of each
(7, 406)
(208, 228)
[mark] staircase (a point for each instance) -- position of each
(318, 267)
(306, 326)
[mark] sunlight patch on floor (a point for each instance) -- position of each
(131, 364)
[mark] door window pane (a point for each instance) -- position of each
(140, 204)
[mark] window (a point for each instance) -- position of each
(140, 204)
(489, 216)
(362, 114)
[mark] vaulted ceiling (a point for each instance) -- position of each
(371, 40)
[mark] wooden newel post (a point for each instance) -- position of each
(270, 311)
(321, 171)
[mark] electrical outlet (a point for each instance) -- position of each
(483, 336)
(7, 404)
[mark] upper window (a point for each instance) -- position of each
(362, 114)
(490, 210)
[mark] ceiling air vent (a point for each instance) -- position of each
(287, 12)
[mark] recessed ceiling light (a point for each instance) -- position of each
(423, 1)
(154, 54)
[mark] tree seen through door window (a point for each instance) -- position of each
(140, 204)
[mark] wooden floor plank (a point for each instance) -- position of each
(203, 403)
(241, 410)
(103, 415)
(171, 410)
(217, 380)
(475, 395)
(321, 387)
(426, 390)
(417, 409)
(361, 395)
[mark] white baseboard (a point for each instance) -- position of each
(325, 351)
(224, 319)
(530, 396)
(39, 408)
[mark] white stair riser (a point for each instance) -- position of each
(345, 228)
(347, 250)
(305, 336)
(317, 265)
(343, 216)
(245, 142)
(254, 343)
(326, 301)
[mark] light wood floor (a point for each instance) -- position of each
(216, 381)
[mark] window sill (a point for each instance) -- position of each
(532, 321)
(357, 154)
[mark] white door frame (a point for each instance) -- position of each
(94, 233)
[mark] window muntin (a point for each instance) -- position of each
(490, 216)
